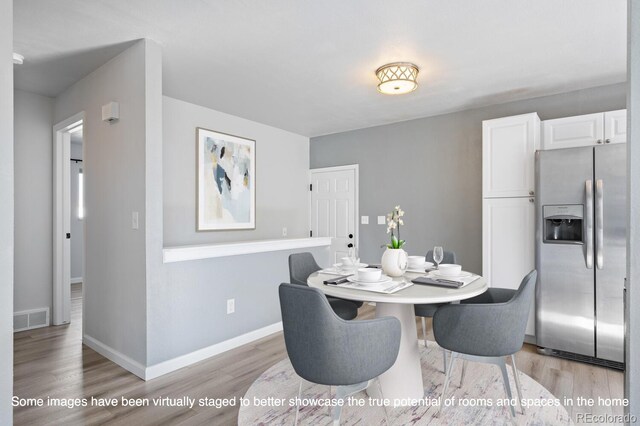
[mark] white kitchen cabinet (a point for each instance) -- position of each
(508, 155)
(508, 244)
(585, 130)
(615, 126)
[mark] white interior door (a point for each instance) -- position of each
(334, 207)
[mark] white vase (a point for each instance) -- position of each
(394, 262)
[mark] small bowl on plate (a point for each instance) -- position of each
(449, 269)
(369, 275)
(346, 261)
(416, 261)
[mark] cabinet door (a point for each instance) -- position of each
(508, 244)
(571, 132)
(615, 126)
(508, 155)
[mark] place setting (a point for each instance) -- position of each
(443, 274)
(347, 265)
(369, 279)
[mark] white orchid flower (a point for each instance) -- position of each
(401, 222)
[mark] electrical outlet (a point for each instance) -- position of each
(134, 220)
(284, 232)
(381, 220)
(364, 220)
(231, 306)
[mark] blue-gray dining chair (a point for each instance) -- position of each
(327, 350)
(301, 265)
(487, 332)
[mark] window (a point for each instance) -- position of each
(80, 194)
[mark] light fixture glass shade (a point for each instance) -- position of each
(397, 78)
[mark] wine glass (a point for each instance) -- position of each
(353, 255)
(438, 255)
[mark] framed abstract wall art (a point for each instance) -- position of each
(226, 181)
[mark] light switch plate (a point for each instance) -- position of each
(381, 220)
(364, 220)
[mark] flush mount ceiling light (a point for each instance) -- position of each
(18, 59)
(397, 78)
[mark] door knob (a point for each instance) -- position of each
(531, 193)
(350, 235)
(607, 141)
(599, 141)
(349, 245)
(531, 200)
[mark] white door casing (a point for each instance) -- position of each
(508, 155)
(334, 207)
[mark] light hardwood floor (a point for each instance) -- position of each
(52, 362)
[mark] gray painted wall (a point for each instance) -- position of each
(114, 165)
(187, 311)
(282, 160)
(77, 224)
(632, 305)
(432, 167)
(33, 147)
(6, 211)
(189, 308)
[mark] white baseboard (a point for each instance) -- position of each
(76, 280)
(182, 361)
(113, 355)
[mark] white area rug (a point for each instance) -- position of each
(481, 382)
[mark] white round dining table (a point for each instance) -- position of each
(402, 383)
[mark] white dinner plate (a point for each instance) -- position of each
(463, 274)
(341, 266)
(421, 268)
(383, 280)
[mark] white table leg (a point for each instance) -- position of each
(403, 381)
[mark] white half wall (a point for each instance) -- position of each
(187, 316)
(6, 211)
(115, 296)
(33, 148)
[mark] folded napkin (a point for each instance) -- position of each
(338, 280)
(446, 282)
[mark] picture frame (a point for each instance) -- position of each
(226, 181)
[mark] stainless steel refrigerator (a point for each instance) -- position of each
(581, 252)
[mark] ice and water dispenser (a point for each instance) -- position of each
(563, 224)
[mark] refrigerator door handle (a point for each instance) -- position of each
(588, 194)
(599, 224)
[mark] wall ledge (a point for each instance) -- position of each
(208, 251)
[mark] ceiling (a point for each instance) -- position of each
(308, 66)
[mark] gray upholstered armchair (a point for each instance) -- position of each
(301, 265)
(486, 332)
(327, 350)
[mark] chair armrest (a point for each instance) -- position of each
(495, 329)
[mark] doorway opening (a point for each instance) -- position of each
(68, 216)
